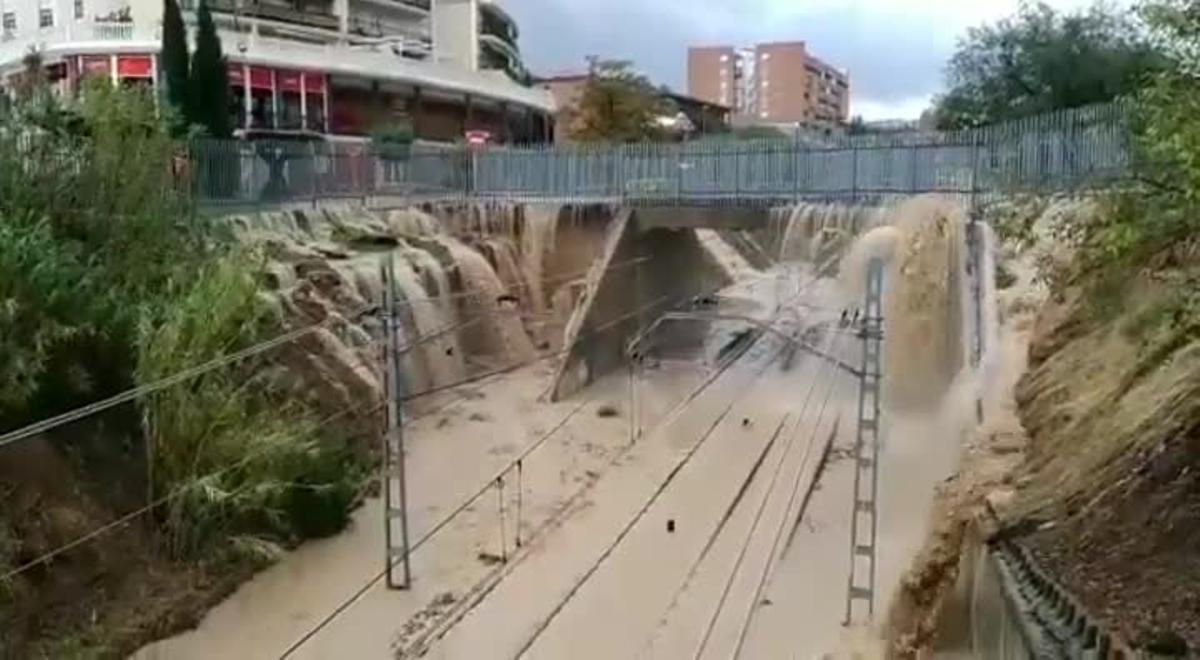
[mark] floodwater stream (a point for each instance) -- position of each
(681, 512)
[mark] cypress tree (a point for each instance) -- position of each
(208, 82)
(175, 59)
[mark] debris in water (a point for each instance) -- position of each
(745, 422)
(489, 558)
(607, 410)
(670, 525)
(479, 417)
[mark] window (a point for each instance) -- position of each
(766, 56)
(78, 10)
(10, 21)
(46, 17)
(724, 58)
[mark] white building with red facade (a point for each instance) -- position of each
(333, 68)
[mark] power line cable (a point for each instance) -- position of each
(375, 579)
(187, 374)
(772, 558)
(174, 494)
(716, 613)
(462, 506)
(494, 578)
(662, 487)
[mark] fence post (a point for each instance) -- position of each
(974, 166)
(853, 170)
(737, 171)
(912, 165)
(312, 156)
(796, 167)
(678, 173)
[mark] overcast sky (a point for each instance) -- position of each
(895, 50)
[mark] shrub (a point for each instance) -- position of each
(247, 460)
(88, 239)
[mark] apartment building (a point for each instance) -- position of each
(772, 83)
(331, 68)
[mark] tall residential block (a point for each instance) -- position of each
(777, 82)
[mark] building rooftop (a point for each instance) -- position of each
(692, 100)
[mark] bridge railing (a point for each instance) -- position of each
(1086, 146)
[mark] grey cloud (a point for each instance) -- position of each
(890, 60)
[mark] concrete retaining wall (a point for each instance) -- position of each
(645, 270)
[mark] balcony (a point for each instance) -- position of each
(498, 55)
(423, 5)
(16, 44)
(298, 12)
(495, 23)
(418, 8)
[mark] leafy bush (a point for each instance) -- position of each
(1041, 60)
(248, 461)
(1158, 218)
(107, 280)
(88, 238)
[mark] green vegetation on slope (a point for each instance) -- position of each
(108, 280)
(1042, 60)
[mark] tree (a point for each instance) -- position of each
(175, 59)
(208, 81)
(1041, 60)
(618, 105)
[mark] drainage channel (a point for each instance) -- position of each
(1051, 623)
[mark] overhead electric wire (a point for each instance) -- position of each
(177, 492)
(375, 579)
(570, 502)
(716, 533)
(462, 506)
(733, 572)
(134, 393)
(773, 557)
(678, 467)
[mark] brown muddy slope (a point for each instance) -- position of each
(1091, 460)
(1111, 484)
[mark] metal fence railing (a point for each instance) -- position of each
(1065, 149)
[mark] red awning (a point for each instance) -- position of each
(289, 81)
(314, 83)
(135, 66)
(95, 65)
(260, 78)
(236, 75)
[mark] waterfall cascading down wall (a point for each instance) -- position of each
(478, 288)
